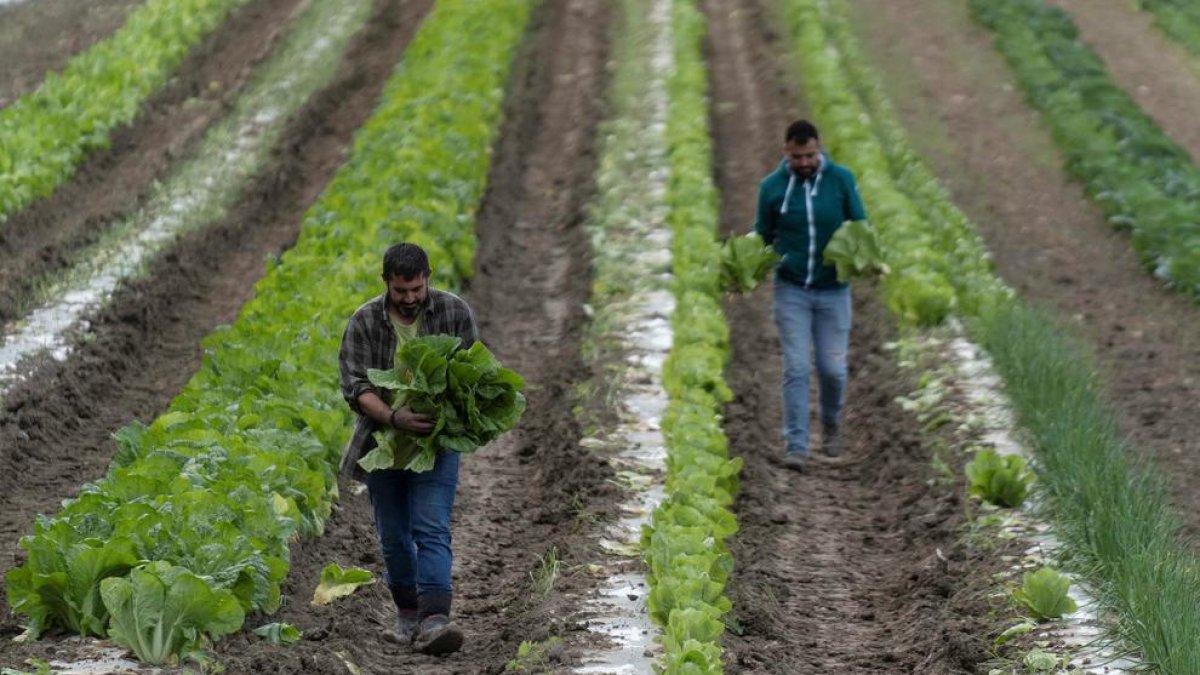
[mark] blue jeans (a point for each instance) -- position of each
(810, 318)
(412, 516)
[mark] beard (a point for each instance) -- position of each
(408, 311)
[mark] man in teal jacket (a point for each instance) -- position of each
(800, 205)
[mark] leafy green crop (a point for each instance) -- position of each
(1179, 19)
(161, 611)
(1044, 594)
(745, 262)
(60, 584)
(1002, 480)
(856, 251)
(1143, 180)
(684, 547)
(469, 395)
(46, 133)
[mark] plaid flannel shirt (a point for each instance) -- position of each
(370, 342)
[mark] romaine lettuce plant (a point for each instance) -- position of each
(162, 611)
(1045, 594)
(745, 262)
(1002, 480)
(471, 397)
(855, 251)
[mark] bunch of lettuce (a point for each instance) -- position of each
(472, 398)
(745, 262)
(855, 251)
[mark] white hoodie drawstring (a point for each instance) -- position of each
(787, 195)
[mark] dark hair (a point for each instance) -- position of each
(405, 260)
(801, 132)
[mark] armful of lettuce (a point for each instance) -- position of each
(855, 251)
(745, 262)
(471, 397)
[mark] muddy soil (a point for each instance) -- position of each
(1159, 74)
(837, 568)
(55, 430)
(43, 238)
(41, 36)
(965, 115)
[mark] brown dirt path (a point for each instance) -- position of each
(835, 568)
(1155, 71)
(41, 36)
(521, 495)
(55, 430)
(45, 237)
(966, 117)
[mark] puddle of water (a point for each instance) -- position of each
(618, 610)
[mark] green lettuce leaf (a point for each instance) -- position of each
(855, 251)
(337, 582)
(278, 633)
(745, 262)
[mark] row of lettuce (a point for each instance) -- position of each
(47, 133)
(1179, 19)
(1112, 514)
(1142, 179)
(688, 561)
(190, 528)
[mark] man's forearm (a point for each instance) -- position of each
(376, 408)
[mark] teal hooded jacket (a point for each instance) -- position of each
(799, 217)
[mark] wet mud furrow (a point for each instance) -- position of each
(836, 568)
(55, 429)
(525, 493)
(41, 37)
(44, 238)
(965, 115)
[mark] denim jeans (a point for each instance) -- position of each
(412, 516)
(810, 318)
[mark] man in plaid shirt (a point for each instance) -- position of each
(412, 510)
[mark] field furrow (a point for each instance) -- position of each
(1161, 76)
(836, 568)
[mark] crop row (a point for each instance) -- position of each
(684, 548)
(204, 501)
(45, 134)
(1140, 178)
(1179, 19)
(1113, 517)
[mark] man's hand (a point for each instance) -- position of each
(406, 419)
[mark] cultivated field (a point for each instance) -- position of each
(177, 265)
